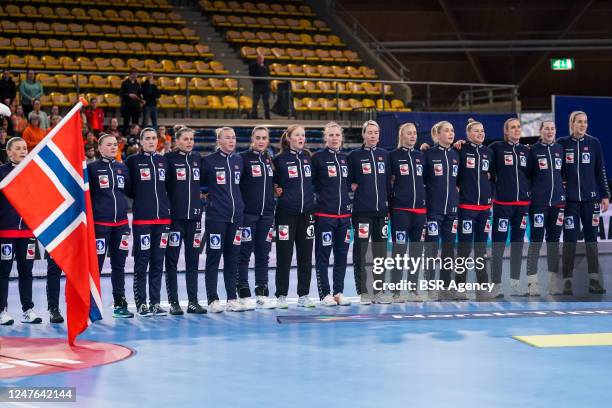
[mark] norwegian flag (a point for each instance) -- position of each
(54, 176)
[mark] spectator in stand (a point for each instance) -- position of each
(54, 121)
(133, 138)
(261, 87)
(19, 121)
(113, 128)
(30, 90)
(8, 90)
(90, 138)
(121, 144)
(90, 153)
(162, 138)
(131, 100)
(44, 118)
(33, 134)
(7, 123)
(132, 150)
(55, 111)
(3, 136)
(95, 116)
(150, 94)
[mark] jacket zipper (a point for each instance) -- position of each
(375, 168)
(155, 184)
(188, 185)
(110, 167)
(231, 187)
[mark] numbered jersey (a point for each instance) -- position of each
(183, 183)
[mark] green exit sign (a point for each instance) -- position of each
(562, 64)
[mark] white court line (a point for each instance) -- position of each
(291, 301)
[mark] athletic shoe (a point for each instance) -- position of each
(595, 287)
(215, 307)
(157, 310)
(515, 288)
(567, 287)
(175, 309)
(382, 299)
(5, 318)
(233, 305)
(413, 296)
(533, 287)
(554, 284)
(341, 300)
(143, 311)
(305, 301)
(29, 316)
(497, 292)
(365, 299)
(446, 295)
(122, 312)
(460, 296)
(329, 301)
(262, 302)
(397, 298)
(55, 316)
(281, 302)
(246, 303)
(194, 307)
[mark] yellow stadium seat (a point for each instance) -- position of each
(306, 10)
(198, 102)
(167, 102)
(293, 24)
(248, 52)
(138, 65)
(86, 64)
(199, 84)
(64, 12)
(136, 48)
(122, 48)
(103, 64)
(110, 31)
(112, 15)
(127, 16)
(278, 9)
(144, 17)
(279, 23)
(186, 67)
(325, 71)
(181, 83)
(76, 29)
(47, 81)
(21, 44)
(43, 28)
(341, 87)
(9, 27)
(203, 67)
(220, 21)
(115, 81)
(174, 34)
(167, 84)
(3, 62)
(260, 22)
(96, 15)
(370, 88)
(218, 68)
(98, 81)
(15, 61)
(310, 55)
(73, 45)
(203, 51)
(337, 56)
(82, 79)
(356, 104)
(231, 84)
(354, 72)
(188, 50)
(344, 105)
(60, 29)
(264, 37)
(355, 89)
(328, 105)
(118, 64)
(279, 70)
(126, 31)
(306, 39)
(214, 102)
(295, 54)
(45, 101)
(296, 70)
(280, 54)
(368, 103)
(251, 22)
(311, 71)
(312, 104)
(291, 9)
(299, 106)
(172, 16)
(230, 102)
(321, 40)
(325, 87)
(279, 38)
(14, 11)
(112, 100)
(383, 105)
(367, 72)
(33, 62)
(51, 63)
(6, 44)
(246, 103)
(142, 33)
(101, 101)
(324, 55)
(158, 33)
(339, 72)
(217, 84)
(56, 45)
(306, 25)
(90, 47)
(26, 27)
(79, 14)
(249, 37)
(189, 34)
(310, 87)
(398, 105)
(153, 66)
(59, 99)
(155, 48)
(180, 101)
(320, 25)
(264, 8)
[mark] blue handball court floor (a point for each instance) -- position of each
(450, 354)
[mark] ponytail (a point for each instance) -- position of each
(285, 146)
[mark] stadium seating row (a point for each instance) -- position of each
(342, 88)
(92, 14)
(112, 64)
(56, 46)
(135, 4)
(347, 105)
(302, 54)
(322, 71)
(256, 8)
(264, 37)
(265, 23)
(96, 31)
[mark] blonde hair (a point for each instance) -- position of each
(435, 130)
(401, 129)
(471, 123)
(219, 131)
(368, 123)
(12, 141)
(542, 127)
(572, 119)
(506, 124)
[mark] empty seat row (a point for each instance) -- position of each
(264, 37)
(347, 105)
(112, 64)
(266, 23)
(342, 88)
(322, 71)
(136, 4)
(92, 14)
(256, 8)
(104, 47)
(96, 30)
(299, 54)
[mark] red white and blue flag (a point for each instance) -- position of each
(50, 190)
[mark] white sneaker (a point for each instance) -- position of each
(461, 296)
(329, 301)
(281, 302)
(234, 305)
(382, 299)
(397, 298)
(5, 318)
(533, 285)
(263, 302)
(497, 292)
(365, 299)
(215, 307)
(554, 283)
(413, 296)
(304, 301)
(246, 303)
(341, 299)
(30, 317)
(515, 288)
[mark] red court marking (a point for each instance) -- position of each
(24, 356)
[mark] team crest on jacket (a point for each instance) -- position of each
(470, 162)
(344, 171)
(485, 165)
(419, 169)
(215, 241)
(246, 234)
(404, 169)
(432, 228)
(543, 163)
(31, 251)
(523, 160)
(455, 226)
(569, 222)
(384, 231)
(124, 244)
(488, 226)
(103, 181)
(255, 170)
(145, 242)
(381, 168)
(560, 216)
(120, 182)
(181, 173)
(283, 233)
(270, 236)
(6, 252)
(100, 246)
(292, 171)
(595, 221)
(524, 222)
(438, 169)
(558, 163)
(466, 227)
(586, 158)
(455, 170)
(197, 239)
(326, 238)
(162, 174)
(237, 237)
(310, 232)
(175, 238)
(364, 230)
(221, 177)
(347, 238)
(307, 170)
(236, 177)
(400, 237)
(196, 174)
(145, 174)
(502, 225)
(569, 157)
(508, 159)
(366, 168)
(332, 171)
(538, 220)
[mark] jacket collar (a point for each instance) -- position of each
(150, 153)
(364, 147)
(407, 149)
(107, 160)
(295, 152)
(443, 148)
(332, 151)
(579, 139)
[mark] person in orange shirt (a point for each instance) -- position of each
(162, 138)
(33, 134)
(19, 122)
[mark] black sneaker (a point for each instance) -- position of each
(595, 287)
(55, 315)
(567, 288)
(194, 307)
(175, 309)
(143, 311)
(157, 310)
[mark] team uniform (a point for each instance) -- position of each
(440, 177)
(330, 175)
(257, 187)
(475, 199)
(150, 227)
(221, 175)
(183, 186)
(546, 212)
(16, 243)
(408, 211)
(369, 169)
(586, 182)
(510, 208)
(294, 223)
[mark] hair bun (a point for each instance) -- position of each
(471, 120)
